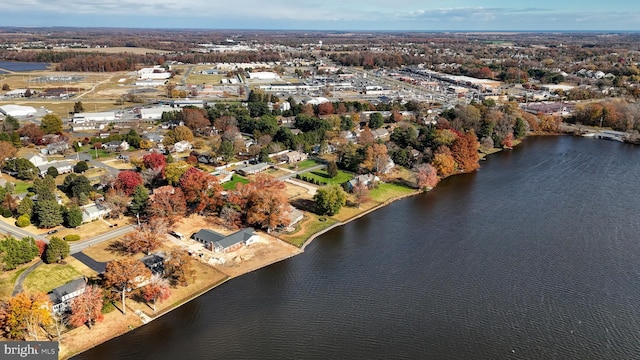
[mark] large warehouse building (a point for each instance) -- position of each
(18, 110)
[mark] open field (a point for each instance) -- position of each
(8, 279)
(310, 225)
(196, 79)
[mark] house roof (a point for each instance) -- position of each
(154, 262)
(222, 241)
(256, 167)
(58, 293)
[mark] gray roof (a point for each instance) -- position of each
(56, 294)
(221, 241)
(255, 168)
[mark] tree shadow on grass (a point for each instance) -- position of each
(304, 204)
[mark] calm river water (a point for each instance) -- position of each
(535, 256)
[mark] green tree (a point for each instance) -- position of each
(226, 150)
(80, 167)
(332, 169)
(52, 171)
(264, 155)
(139, 199)
(23, 221)
(57, 250)
(25, 207)
(48, 213)
(376, 120)
(78, 107)
(330, 199)
(23, 168)
(73, 216)
(520, 129)
(51, 124)
(17, 252)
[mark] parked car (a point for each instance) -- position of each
(52, 231)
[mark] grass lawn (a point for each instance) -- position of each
(101, 153)
(304, 165)
(46, 277)
(323, 176)
(22, 187)
(8, 279)
(309, 226)
(231, 185)
(386, 191)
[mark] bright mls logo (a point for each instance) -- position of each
(44, 350)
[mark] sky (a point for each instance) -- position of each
(418, 15)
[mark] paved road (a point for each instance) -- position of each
(17, 288)
(77, 247)
(96, 266)
(18, 232)
(90, 161)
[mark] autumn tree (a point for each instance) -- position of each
(144, 239)
(201, 190)
(426, 176)
(167, 202)
(178, 268)
(330, 199)
(325, 108)
(444, 162)
(86, 309)
(116, 202)
(154, 161)
(376, 158)
(195, 119)
(156, 290)
(174, 171)
(507, 143)
(127, 180)
(465, 151)
(25, 314)
(51, 124)
(57, 250)
(7, 150)
(124, 275)
(32, 132)
(361, 193)
(268, 208)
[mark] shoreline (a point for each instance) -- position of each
(301, 248)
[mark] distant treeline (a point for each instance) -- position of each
(93, 61)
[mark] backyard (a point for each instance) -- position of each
(322, 177)
(231, 185)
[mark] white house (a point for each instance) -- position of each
(107, 116)
(263, 75)
(181, 146)
(62, 296)
(116, 146)
(63, 167)
(37, 160)
(93, 212)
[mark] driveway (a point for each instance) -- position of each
(17, 288)
(96, 266)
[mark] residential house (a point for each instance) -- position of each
(59, 147)
(223, 176)
(94, 212)
(182, 146)
(62, 296)
(254, 169)
(154, 262)
(220, 243)
(63, 167)
(366, 179)
(37, 160)
(207, 159)
(116, 146)
(293, 157)
(153, 137)
(380, 133)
